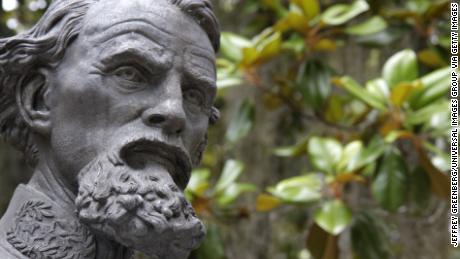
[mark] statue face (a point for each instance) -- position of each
(139, 69)
(130, 105)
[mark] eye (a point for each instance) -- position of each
(194, 96)
(129, 73)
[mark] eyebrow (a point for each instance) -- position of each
(163, 60)
(200, 79)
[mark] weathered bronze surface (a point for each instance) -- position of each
(110, 101)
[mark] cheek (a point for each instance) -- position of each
(195, 134)
(79, 122)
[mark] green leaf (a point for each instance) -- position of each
(266, 202)
(199, 181)
(231, 45)
(372, 25)
(369, 237)
(425, 114)
(232, 170)
(382, 38)
(264, 46)
(350, 159)
(229, 81)
(379, 89)
(333, 216)
(372, 152)
(292, 21)
(361, 93)
(389, 188)
(233, 191)
(290, 151)
(303, 189)
(342, 13)
(310, 8)
(434, 86)
(314, 83)
(325, 153)
(401, 67)
(241, 123)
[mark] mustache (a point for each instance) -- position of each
(136, 151)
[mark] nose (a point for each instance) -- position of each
(168, 116)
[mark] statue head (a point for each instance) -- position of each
(115, 97)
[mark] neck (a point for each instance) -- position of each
(52, 185)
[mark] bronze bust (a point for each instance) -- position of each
(110, 101)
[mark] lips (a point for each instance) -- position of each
(174, 159)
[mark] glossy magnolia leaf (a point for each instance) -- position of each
(292, 21)
(373, 25)
(267, 202)
(431, 58)
(369, 238)
(333, 216)
(265, 45)
(295, 43)
(401, 92)
(310, 8)
(233, 191)
(321, 244)
(241, 123)
(379, 89)
(361, 93)
(325, 153)
(425, 114)
(199, 182)
(314, 83)
(389, 188)
(371, 152)
(434, 86)
(232, 170)
(212, 246)
(326, 45)
(291, 151)
(303, 189)
(229, 81)
(350, 159)
(401, 67)
(231, 45)
(342, 13)
(382, 38)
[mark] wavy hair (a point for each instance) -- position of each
(44, 45)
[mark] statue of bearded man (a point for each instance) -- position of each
(110, 101)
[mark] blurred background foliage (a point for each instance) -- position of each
(334, 132)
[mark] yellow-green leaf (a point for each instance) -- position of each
(325, 153)
(342, 13)
(372, 25)
(304, 189)
(333, 216)
(361, 93)
(232, 170)
(401, 67)
(266, 202)
(310, 8)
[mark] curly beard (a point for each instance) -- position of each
(140, 208)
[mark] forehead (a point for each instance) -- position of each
(156, 20)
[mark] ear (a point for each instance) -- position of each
(32, 98)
